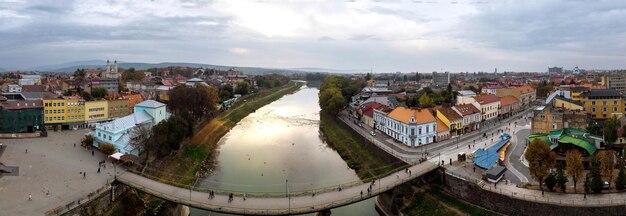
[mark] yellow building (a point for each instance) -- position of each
(452, 120)
(561, 102)
(67, 112)
(576, 92)
(96, 111)
(603, 103)
(118, 108)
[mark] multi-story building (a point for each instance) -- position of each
(412, 127)
(471, 117)
(451, 119)
(465, 97)
(615, 82)
(96, 112)
(110, 71)
(591, 77)
(548, 119)
(14, 89)
(132, 100)
(120, 132)
(603, 103)
(489, 106)
(18, 116)
(509, 105)
(441, 79)
(565, 103)
(64, 113)
(555, 70)
(118, 108)
(525, 94)
(30, 80)
(111, 85)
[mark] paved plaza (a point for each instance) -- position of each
(49, 172)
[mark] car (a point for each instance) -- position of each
(372, 133)
(360, 125)
(605, 186)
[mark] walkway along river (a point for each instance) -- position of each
(279, 148)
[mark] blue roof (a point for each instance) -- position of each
(487, 158)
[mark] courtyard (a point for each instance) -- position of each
(49, 169)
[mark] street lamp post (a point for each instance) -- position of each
(288, 197)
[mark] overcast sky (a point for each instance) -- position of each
(387, 36)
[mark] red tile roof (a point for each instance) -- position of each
(466, 109)
(508, 100)
(486, 99)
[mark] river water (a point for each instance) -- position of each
(281, 141)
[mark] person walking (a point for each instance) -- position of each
(93, 152)
(244, 196)
(26, 151)
(84, 175)
(30, 197)
(361, 194)
(98, 169)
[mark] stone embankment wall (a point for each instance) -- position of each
(382, 154)
(96, 205)
(503, 204)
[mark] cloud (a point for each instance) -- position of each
(383, 35)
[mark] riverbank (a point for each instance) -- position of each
(197, 156)
(358, 157)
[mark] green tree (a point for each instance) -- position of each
(551, 181)
(594, 172)
(540, 160)
(417, 76)
(193, 103)
(425, 100)
(99, 92)
(79, 74)
(575, 167)
(242, 88)
(87, 140)
(561, 178)
(331, 100)
(620, 180)
(610, 130)
(225, 92)
(368, 76)
(593, 128)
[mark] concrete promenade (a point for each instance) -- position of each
(49, 172)
(272, 203)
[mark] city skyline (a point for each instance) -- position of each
(401, 36)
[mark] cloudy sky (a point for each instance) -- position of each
(387, 36)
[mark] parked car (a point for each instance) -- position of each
(605, 186)
(372, 133)
(360, 125)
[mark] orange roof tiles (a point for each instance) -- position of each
(508, 100)
(486, 99)
(441, 127)
(466, 109)
(404, 115)
(524, 89)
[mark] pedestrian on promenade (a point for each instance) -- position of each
(26, 151)
(450, 161)
(409, 172)
(74, 145)
(92, 152)
(397, 176)
(98, 169)
(406, 170)
(84, 175)
(361, 194)
(244, 196)
(30, 197)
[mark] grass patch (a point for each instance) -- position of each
(431, 201)
(184, 165)
(358, 156)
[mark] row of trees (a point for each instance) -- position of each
(161, 139)
(193, 104)
(542, 161)
(336, 91)
(427, 98)
(271, 80)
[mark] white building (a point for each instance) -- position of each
(465, 97)
(30, 80)
(409, 126)
(14, 89)
(110, 71)
(120, 131)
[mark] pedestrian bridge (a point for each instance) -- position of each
(294, 202)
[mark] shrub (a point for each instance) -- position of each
(87, 140)
(107, 149)
(551, 181)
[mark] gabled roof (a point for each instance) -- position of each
(467, 93)
(404, 114)
(21, 104)
(368, 110)
(524, 89)
(486, 99)
(441, 127)
(32, 88)
(126, 122)
(150, 104)
(508, 100)
(601, 92)
(568, 100)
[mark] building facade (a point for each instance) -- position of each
(21, 116)
(411, 127)
(509, 106)
(603, 103)
(615, 82)
(118, 108)
(471, 117)
(96, 112)
(451, 119)
(553, 118)
(489, 106)
(441, 79)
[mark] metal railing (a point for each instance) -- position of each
(62, 209)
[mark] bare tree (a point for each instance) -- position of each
(139, 139)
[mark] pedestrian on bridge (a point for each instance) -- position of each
(244, 196)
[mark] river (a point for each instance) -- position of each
(279, 147)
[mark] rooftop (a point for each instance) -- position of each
(404, 114)
(449, 113)
(601, 92)
(486, 99)
(150, 103)
(466, 109)
(466, 93)
(508, 100)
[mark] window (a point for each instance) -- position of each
(593, 109)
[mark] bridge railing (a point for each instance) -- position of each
(62, 209)
(591, 200)
(154, 175)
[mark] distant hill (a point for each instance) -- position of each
(66, 65)
(314, 69)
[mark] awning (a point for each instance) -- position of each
(117, 156)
